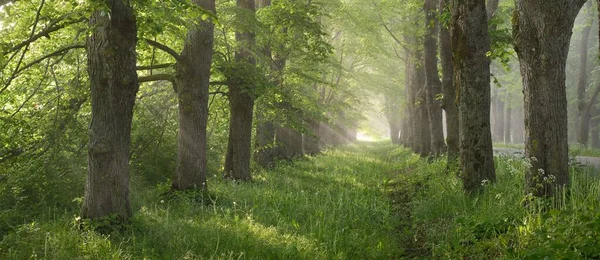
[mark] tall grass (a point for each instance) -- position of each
(502, 221)
(333, 206)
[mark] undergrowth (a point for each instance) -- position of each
(495, 223)
(333, 206)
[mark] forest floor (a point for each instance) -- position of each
(363, 201)
(333, 206)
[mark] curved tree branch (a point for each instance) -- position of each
(164, 48)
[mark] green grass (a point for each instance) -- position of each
(447, 223)
(333, 206)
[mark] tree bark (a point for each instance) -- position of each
(113, 81)
(448, 88)
(470, 44)
(241, 103)
(508, 127)
(432, 81)
(542, 32)
(584, 114)
(192, 81)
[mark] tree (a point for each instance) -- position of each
(470, 45)
(241, 102)
(191, 83)
(114, 84)
(583, 107)
(542, 32)
(449, 98)
(432, 81)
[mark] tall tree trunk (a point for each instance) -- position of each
(296, 142)
(542, 32)
(312, 138)
(508, 128)
(283, 140)
(448, 88)
(583, 113)
(241, 103)
(432, 81)
(265, 143)
(595, 128)
(518, 127)
(191, 81)
(423, 129)
(498, 119)
(470, 44)
(114, 85)
(265, 130)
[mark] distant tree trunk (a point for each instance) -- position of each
(296, 142)
(584, 114)
(241, 103)
(265, 143)
(312, 138)
(449, 100)
(498, 119)
(424, 130)
(191, 81)
(283, 142)
(542, 32)
(392, 114)
(508, 128)
(432, 81)
(595, 128)
(113, 81)
(470, 44)
(265, 151)
(518, 127)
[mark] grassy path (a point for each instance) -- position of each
(333, 206)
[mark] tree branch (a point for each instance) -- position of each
(155, 77)
(55, 53)
(157, 66)
(52, 27)
(164, 48)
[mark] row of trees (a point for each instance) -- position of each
(468, 35)
(274, 58)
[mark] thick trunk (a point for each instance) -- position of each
(583, 114)
(241, 103)
(508, 127)
(191, 81)
(113, 82)
(448, 88)
(470, 44)
(312, 138)
(237, 161)
(542, 32)
(432, 81)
